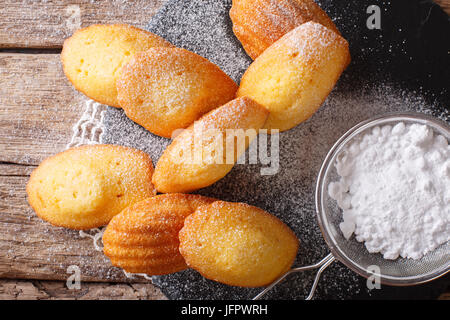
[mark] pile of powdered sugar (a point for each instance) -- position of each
(394, 190)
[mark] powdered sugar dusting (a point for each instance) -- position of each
(259, 23)
(312, 41)
(205, 28)
(394, 190)
(289, 194)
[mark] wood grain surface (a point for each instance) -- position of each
(51, 290)
(38, 108)
(46, 23)
(33, 249)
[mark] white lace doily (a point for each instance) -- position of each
(89, 130)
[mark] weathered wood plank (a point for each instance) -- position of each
(12, 170)
(38, 107)
(46, 23)
(57, 290)
(37, 110)
(33, 249)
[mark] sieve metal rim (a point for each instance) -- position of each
(336, 251)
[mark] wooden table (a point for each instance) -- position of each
(38, 108)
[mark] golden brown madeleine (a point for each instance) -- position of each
(143, 238)
(237, 244)
(93, 57)
(164, 89)
(259, 23)
(293, 77)
(206, 151)
(84, 187)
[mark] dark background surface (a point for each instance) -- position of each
(410, 52)
(411, 49)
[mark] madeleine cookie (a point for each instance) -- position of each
(84, 187)
(293, 77)
(143, 238)
(259, 23)
(164, 89)
(237, 244)
(93, 57)
(206, 151)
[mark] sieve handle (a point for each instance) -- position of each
(322, 264)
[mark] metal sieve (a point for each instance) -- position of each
(353, 254)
